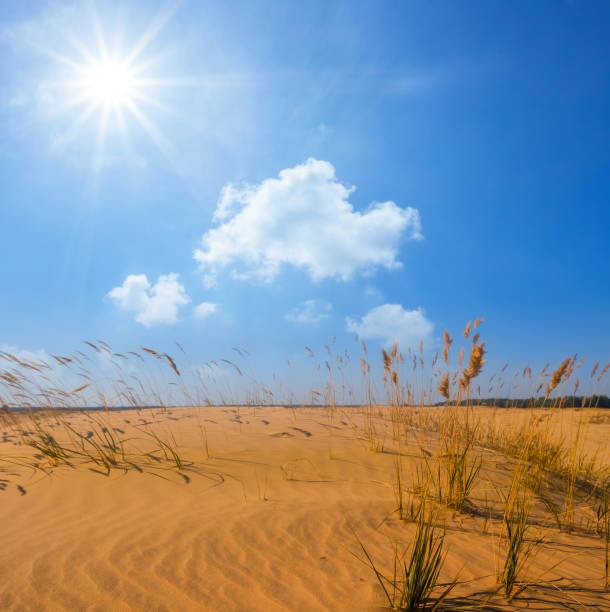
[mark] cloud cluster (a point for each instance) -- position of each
(310, 312)
(204, 310)
(151, 305)
(391, 322)
(303, 219)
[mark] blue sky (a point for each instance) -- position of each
(307, 170)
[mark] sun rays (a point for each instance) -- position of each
(111, 87)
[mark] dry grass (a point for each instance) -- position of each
(550, 480)
(414, 584)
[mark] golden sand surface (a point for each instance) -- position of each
(265, 513)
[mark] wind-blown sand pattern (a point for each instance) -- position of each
(267, 510)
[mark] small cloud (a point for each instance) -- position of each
(391, 322)
(302, 219)
(152, 305)
(205, 309)
(310, 312)
(26, 355)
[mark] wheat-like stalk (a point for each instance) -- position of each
(467, 330)
(443, 386)
(387, 361)
(558, 375)
(475, 365)
(447, 339)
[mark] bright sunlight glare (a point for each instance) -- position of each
(110, 83)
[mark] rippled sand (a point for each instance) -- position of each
(267, 519)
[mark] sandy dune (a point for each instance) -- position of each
(267, 519)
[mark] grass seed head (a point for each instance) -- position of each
(560, 373)
(475, 365)
(447, 339)
(443, 387)
(467, 330)
(387, 361)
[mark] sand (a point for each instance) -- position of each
(268, 518)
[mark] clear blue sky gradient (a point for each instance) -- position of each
(490, 118)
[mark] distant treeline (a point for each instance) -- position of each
(569, 401)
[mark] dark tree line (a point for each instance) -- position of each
(569, 401)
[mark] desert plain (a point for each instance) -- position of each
(296, 508)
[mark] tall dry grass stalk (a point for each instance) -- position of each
(414, 583)
(554, 472)
(443, 386)
(603, 528)
(516, 548)
(475, 366)
(561, 373)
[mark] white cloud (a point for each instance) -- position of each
(25, 354)
(391, 322)
(151, 305)
(310, 312)
(205, 309)
(302, 218)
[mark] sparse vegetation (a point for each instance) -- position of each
(603, 528)
(514, 539)
(414, 584)
(461, 457)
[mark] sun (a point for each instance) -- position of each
(111, 86)
(110, 83)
